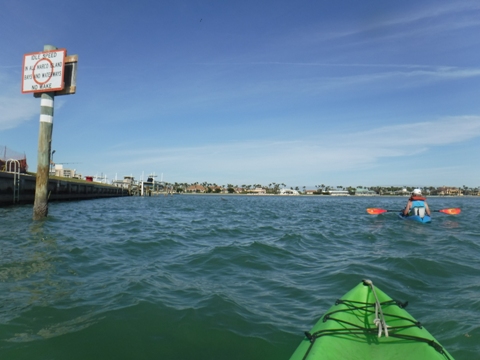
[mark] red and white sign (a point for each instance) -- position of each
(43, 71)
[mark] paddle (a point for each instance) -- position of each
(449, 211)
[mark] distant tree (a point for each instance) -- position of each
(276, 188)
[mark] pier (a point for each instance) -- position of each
(19, 188)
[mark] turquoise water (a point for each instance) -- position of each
(224, 277)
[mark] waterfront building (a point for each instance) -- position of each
(127, 183)
(60, 171)
(195, 189)
(365, 192)
(289, 192)
(258, 191)
(338, 192)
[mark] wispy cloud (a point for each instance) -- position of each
(16, 109)
(419, 14)
(400, 78)
(337, 152)
(308, 82)
(419, 19)
(420, 136)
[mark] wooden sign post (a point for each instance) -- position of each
(44, 75)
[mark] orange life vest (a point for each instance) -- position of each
(417, 198)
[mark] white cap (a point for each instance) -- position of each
(417, 192)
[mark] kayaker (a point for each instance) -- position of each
(416, 205)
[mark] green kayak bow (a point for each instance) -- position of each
(367, 324)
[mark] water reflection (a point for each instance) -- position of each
(27, 264)
(450, 224)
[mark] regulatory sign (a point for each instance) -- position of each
(43, 71)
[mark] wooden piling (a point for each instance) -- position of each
(40, 206)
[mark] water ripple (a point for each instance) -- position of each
(242, 275)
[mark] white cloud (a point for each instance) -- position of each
(446, 131)
(16, 109)
(399, 78)
(417, 20)
(337, 152)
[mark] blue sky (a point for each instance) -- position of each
(304, 93)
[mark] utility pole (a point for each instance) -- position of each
(40, 206)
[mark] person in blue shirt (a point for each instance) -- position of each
(416, 205)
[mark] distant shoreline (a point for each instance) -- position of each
(329, 196)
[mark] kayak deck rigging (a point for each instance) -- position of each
(360, 330)
(377, 328)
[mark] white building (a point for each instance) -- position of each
(67, 173)
(258, 191)
(338, 192)
(126, 183)
(289, 192)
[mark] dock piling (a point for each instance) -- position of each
(40, 206)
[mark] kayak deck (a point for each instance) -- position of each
(367, 324)
(424, 220)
